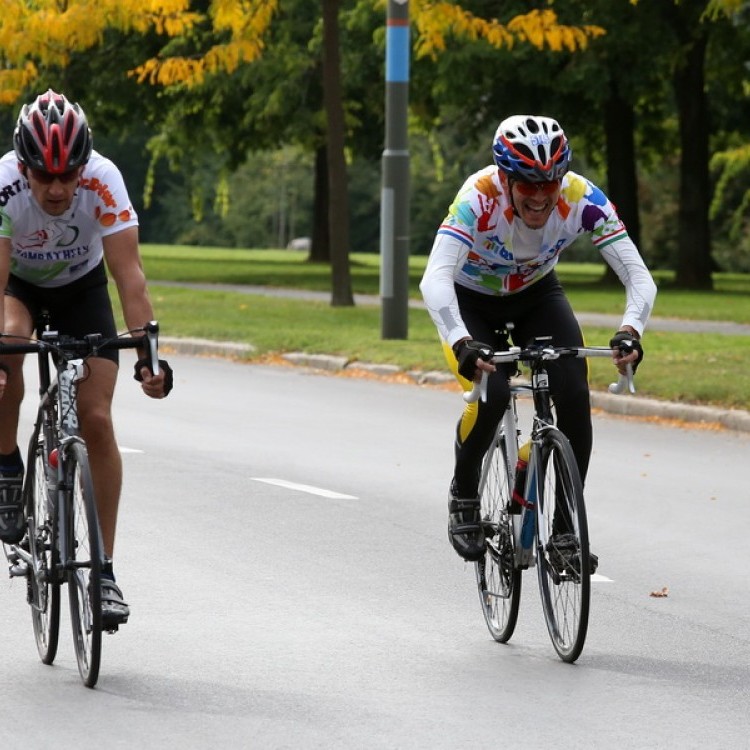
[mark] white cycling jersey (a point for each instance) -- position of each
(483, 246)
(52, 251)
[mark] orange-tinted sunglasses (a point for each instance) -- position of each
(530, 189)
(47, 178)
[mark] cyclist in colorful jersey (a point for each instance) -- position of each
(65, 219)
(493, 262)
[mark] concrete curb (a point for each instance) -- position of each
(206, 347)
(731, 419)
(631, 406)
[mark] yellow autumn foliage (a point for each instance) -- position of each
(39, 33)
(436, 21)
(247, 22)
(35, 34)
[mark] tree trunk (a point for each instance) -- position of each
(320, 245)
(338, 195)
(622, 179)
(694, 235)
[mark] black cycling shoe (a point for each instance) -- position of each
(465, 529)
(115, 611)
(565, 557)
(12, 521)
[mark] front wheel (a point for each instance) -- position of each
(84, 563)
(43, 580)
(563, 562)
(498, 581)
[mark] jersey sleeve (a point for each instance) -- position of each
(608, 234)
(640, 290)
(113, 210)
(437, 285)
(454, 239)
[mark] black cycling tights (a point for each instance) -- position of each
(540, 310)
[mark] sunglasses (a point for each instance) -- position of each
(530, 189)
(47, 178)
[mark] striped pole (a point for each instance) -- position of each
(394, 203)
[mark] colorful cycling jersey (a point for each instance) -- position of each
(52, 251)
(484, 246)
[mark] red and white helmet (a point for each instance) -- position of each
(52, 134)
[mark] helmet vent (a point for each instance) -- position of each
(525, 151)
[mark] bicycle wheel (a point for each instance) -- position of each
(43, 585)
(562, 543)
(498, 581)
(84, 565)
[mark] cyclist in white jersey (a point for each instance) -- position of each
(65, 220)
(492, 262)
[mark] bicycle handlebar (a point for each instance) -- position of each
(89, 345)
(516, 354)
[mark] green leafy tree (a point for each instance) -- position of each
(692, 25)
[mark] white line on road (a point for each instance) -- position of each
(129, 450)
(304, 488)
(599, 578)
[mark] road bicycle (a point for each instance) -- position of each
(543, 523)
(63, 543)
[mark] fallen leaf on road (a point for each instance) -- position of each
(660, 594)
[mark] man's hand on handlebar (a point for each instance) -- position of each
(473, 358)
(154, 386)
(626, 350)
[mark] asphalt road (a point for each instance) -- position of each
(282, 544)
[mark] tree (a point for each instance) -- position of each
(539, 28)
(685, 28)
(338, 206)
(45, 34)
(435, 22)
(688, 79)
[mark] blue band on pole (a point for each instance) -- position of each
(397, 54)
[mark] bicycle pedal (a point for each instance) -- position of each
(18, 570)
(489, 528)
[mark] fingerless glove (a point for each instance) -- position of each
(467, 353)
(164, 365)
(626, 342)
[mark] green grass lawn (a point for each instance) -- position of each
(694, 368)
(289, 269)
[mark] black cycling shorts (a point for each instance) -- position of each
(76, 309)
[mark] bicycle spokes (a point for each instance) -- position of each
(498, 581)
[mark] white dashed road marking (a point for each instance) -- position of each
(599, 578)
(304, 488)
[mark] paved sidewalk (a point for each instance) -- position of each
(732, 419)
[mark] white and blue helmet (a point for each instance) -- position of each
(531, 148)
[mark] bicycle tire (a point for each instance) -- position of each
(43, 586)
(498, 580)
(84, 567)
(564, 582)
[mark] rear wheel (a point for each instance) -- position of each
(84, 565)
(563, 547)
(43, 581)
(498, 581)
